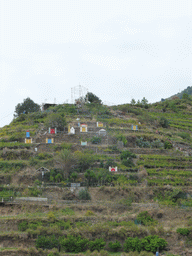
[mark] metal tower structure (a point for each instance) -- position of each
(78, 92)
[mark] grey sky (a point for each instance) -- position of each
(118, 49)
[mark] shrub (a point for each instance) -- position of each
(183, 231)
(157, 144)
(74, 244)
(115, 246)
(127, 154)
(53, 254)
(168, 145)
(22, 226)
(96, 140)
(164, 122)
(89, 213)
(43, 156)
(51, 216)
(184, 135)
(151, 243)
(132, 244)
(58, 177)
(64, 225)
(47, 242)
(97, 244)
(84, 194)
(122, 138)
(145, 218)
(127, 162)
(142, 144)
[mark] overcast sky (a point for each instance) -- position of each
(118, 49)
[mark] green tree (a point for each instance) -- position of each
(92, 98)
(115, 246)
(164, 122)
(90, 176)
(84, 160)
(133, 102)
(56, 120)
(65, 161)
(185, 96)
(144, 101)
(28, 106)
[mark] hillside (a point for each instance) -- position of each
(187, 91)
(146, 204)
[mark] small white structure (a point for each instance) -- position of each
(75, 184)
(113, 169)
(102, 132)
(83, 143)
(83, 128)
(71, 130)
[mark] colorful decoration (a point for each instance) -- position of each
(49, 141)
(52, 130)
(99, 124)
(27, 134)
(83, 128)
(113, 169)
(27, 140)
(134, 127)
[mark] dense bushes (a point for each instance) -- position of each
(147, 144)
(183, 231)
(74, 244)
(70, 243)
(96, 140)
(168, 145)
(97, 244)
(79, 244)
(84, 194)
(145, 219)
(126, 158)
(115, 246)
(48, 242)
(149, 243)
(164, 122)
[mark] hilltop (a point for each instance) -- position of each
(150, 194)
(187, 91)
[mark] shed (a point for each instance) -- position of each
(27, 134)
(27, 140)
(83, 128)
(113, 169)
(52, 130)
(49, 140)
(134, 127)
(102, 132)
(99, 124)
(71, 130)
(45, 106)
(83, 143)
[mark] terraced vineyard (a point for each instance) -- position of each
(144, 206)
